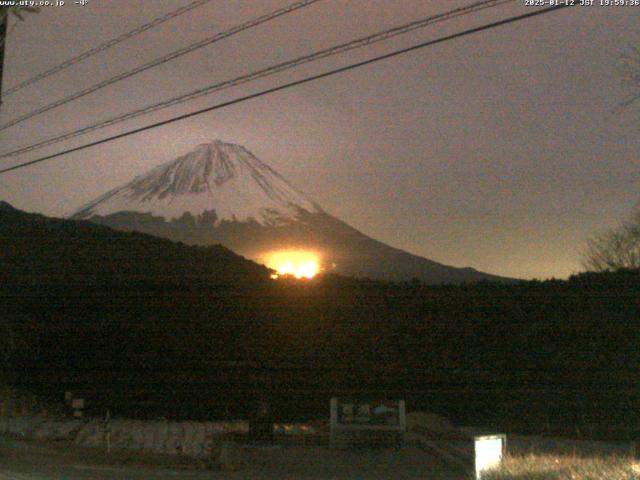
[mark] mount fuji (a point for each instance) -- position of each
(220, 193)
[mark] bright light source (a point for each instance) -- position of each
(298, 263)
(488, 451)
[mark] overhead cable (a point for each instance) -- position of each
(272, 70)
(291, 84)
(105, 46)
(159, 61)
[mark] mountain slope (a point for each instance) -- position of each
(219, 175)
(6, 207)
(37, 250)
(221, 193)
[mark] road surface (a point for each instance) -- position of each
(29, 460)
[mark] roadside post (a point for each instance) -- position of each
(77, 405)
(489, 451)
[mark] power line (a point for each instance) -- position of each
(104, 46)
(278, 68)
(293, 84)
(159, 61)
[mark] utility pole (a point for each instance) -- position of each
(4, 26)
(4, 20)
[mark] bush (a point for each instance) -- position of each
(553, 467)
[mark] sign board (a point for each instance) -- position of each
(77, 404)
(348, 417)
(489, 450)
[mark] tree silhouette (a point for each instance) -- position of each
(615, 249)
(18, 12)
(5, 12)
(630, 73)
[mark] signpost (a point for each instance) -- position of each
(367, 422)
(489, 450)
(77, 405)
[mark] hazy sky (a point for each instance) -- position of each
(500, 151)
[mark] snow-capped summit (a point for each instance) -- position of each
(218, 177)
(220, 193)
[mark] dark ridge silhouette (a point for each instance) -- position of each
(35, 249)
(5, 207)
(148, 328)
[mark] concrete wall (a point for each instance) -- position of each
(193, 439)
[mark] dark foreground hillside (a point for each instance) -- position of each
(37, 250)
(535, 356)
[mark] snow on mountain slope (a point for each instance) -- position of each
(221, 177)
(220, 193)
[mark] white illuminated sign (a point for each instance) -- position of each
(488, 451)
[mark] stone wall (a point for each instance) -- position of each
(193, 439)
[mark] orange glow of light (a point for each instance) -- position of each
(297, 263)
